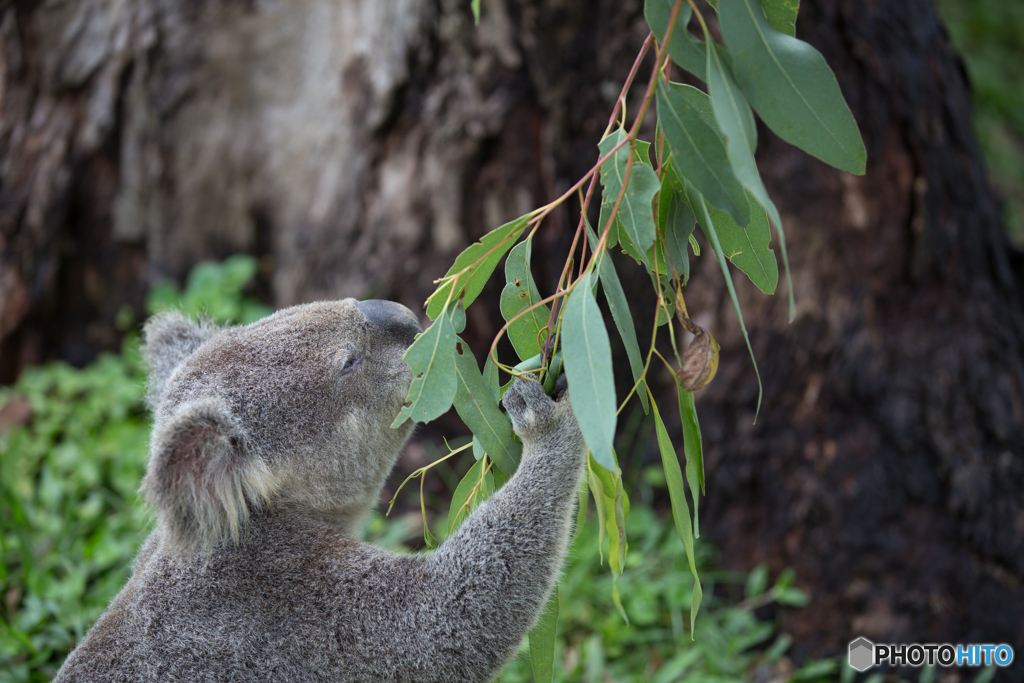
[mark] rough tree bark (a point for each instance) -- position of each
(356, 146)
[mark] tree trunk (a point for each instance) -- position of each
(357, 146)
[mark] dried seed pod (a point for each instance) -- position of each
(700, 361)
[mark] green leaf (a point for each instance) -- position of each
(621, 314)
(708, 227)
(475, 6)
(542, 641)
(781, 14)
(698, 149)
(680, 510)
(519, 294)
(613, 507)
(476, 405)
(747, 247)
(636, 215)
(432, 361)
(694, 465)
(461, 504)
(791, 87)
(732, 112)
(757, 582)
(587, 356)
(684, 49)
(692, 443)
(481, 258)
(675, 220)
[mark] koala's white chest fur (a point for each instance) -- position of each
(271, 441)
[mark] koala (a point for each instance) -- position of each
(271, 442)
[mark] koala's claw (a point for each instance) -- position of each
(532, 411)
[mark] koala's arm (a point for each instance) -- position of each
(478, 595)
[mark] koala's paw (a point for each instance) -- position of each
(535, 414)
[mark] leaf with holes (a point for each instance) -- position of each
(519, 294)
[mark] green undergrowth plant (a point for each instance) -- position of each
(70, 520)
(699, 169)
(732, 644)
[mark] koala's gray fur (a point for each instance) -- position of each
(271, 443)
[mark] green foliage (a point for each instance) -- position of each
(214, 290)
(593, 643)
(70, 518)
(703, 171)
(791, 87)
(588, 365)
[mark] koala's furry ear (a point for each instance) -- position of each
(169, 338)
(202, 477)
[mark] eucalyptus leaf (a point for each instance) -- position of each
(732, 112)
(747, 246)
(675, 221)
(692, 442)
(698, 150)
(680, 509)
(520, 293)
(475, 403)
(636, 215)
(542, 641)
(481, 258)
(693, 453)
(781, 14)
(621, 314)
(792, 88)
(587, 356)
(708, 227)
(431, 357)
(461, 504)
(684, 49)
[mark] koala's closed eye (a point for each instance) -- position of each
(350, 364)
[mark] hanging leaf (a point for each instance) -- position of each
(476, 405)
(708, 227)
(481, 258)
(747, 246)
(691, 439)
(587, 356)
(675, 221)
(781, 14)
(791, 87)
(683, 48)
(462, 504)
(732, 112)
(519, 294)
(542, 641)
(432, 361)
(613, 507)
(680, 509)
(699, 149)
(636, 215)
(621, 313)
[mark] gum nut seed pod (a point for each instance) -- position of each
(700, 362)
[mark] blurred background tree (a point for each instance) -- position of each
(353, 148)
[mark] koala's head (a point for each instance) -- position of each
(291, 413)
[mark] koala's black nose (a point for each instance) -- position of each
(393, 318)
